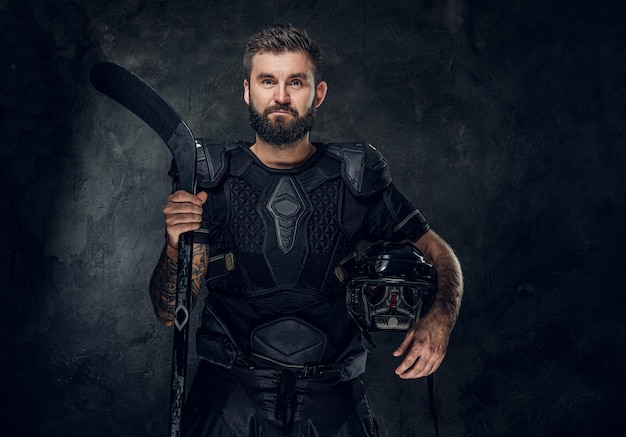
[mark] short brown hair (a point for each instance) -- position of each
(279, 38)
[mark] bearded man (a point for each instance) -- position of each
(279, 353)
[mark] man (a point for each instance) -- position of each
(279, 354)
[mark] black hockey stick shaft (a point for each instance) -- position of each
(137, 96)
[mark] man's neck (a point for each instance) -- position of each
(291, 157)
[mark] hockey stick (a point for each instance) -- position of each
(137, 96)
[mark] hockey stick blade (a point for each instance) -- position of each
(134, 94)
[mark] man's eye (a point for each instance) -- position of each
(296, 83)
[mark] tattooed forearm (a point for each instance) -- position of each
(163, 288)
(163, 281)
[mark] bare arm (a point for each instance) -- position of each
(425, 344)
(163, 281)
(449, 276)
(183, 213)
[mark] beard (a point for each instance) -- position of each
(281, 133)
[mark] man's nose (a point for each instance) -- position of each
(281, 95)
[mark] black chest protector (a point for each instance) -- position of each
(281, 233)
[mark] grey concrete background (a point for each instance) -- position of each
(502, 121)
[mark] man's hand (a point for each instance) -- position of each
(183, 213)
(424, 347)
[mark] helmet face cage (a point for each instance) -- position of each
(391, 287)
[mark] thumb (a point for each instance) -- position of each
(203, 196)
(403, 346)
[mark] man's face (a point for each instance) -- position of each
(282, 97)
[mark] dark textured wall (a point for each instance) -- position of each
(502, 121)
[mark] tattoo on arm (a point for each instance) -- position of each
(199, 265)
(163, 282)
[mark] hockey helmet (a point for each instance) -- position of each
(390, 287)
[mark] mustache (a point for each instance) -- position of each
(287, 108)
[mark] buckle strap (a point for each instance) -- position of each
(310, 370)
(350, 368)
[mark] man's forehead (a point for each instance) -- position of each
(293, 62)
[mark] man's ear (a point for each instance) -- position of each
(320, 93)
(246, 91)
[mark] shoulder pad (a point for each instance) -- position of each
(363, 168)
(212, 162)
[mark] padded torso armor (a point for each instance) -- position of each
(276, 237)
(286, 227)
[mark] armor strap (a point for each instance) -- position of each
(346, 370)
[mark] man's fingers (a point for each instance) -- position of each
(420, 361)
(184, 205)
(404, 345)
(181, 228)
(182, 196)
(177, 224)
(408, 347)
(183, 213)
(425, 368)
(423, 353)
(410, 360)
(203, 196)
(174, 231)
(416, 367)
(179, 217)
